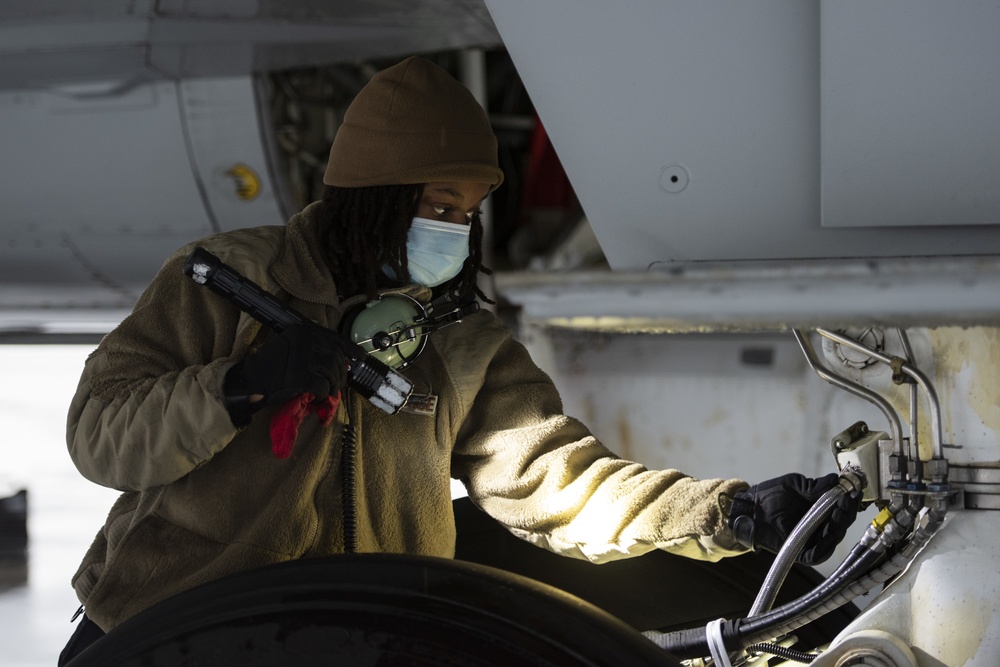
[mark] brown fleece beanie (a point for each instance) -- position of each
(413, 123)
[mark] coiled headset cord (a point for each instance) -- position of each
(349, 481)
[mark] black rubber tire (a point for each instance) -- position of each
(374, 609)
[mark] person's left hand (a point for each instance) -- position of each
(765, 514)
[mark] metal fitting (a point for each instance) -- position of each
(897, 465)
(937, 470)
(852, 479)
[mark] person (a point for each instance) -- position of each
(174, 407)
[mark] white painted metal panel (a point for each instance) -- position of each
(106, 180)
(722, 95)
(911, 128)
(97, 180)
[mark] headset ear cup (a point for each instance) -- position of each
(380, 325)
(347, 321)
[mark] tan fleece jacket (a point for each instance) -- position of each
(202, 499)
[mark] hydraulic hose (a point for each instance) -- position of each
(786, 618)
(803, 611)
(853, 580)
(737, 634)
(849, 481)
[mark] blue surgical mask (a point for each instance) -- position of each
(435, 251)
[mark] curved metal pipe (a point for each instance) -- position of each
(895, 425)
(914, 453)
(906, 367)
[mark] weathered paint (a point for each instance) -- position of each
(688, 402)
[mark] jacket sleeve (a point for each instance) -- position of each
(547, 478)
(148, 408)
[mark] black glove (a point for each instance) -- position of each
(764, 515)
(301, 359)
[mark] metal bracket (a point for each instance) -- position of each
(860, 448)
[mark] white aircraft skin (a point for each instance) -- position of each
(131, 128)
(749, 170)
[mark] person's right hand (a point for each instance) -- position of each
(301, 359)
(764, 515)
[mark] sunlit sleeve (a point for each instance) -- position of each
(547, 478)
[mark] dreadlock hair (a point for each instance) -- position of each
(366, 229)
(466, 280)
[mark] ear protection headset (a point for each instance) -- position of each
(394, 328)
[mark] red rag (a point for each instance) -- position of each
(286, 421)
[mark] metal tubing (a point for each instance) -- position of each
(907, 368)
(895, 426)
(908, 351)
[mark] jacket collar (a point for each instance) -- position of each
(300, 268)
(302, 271)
